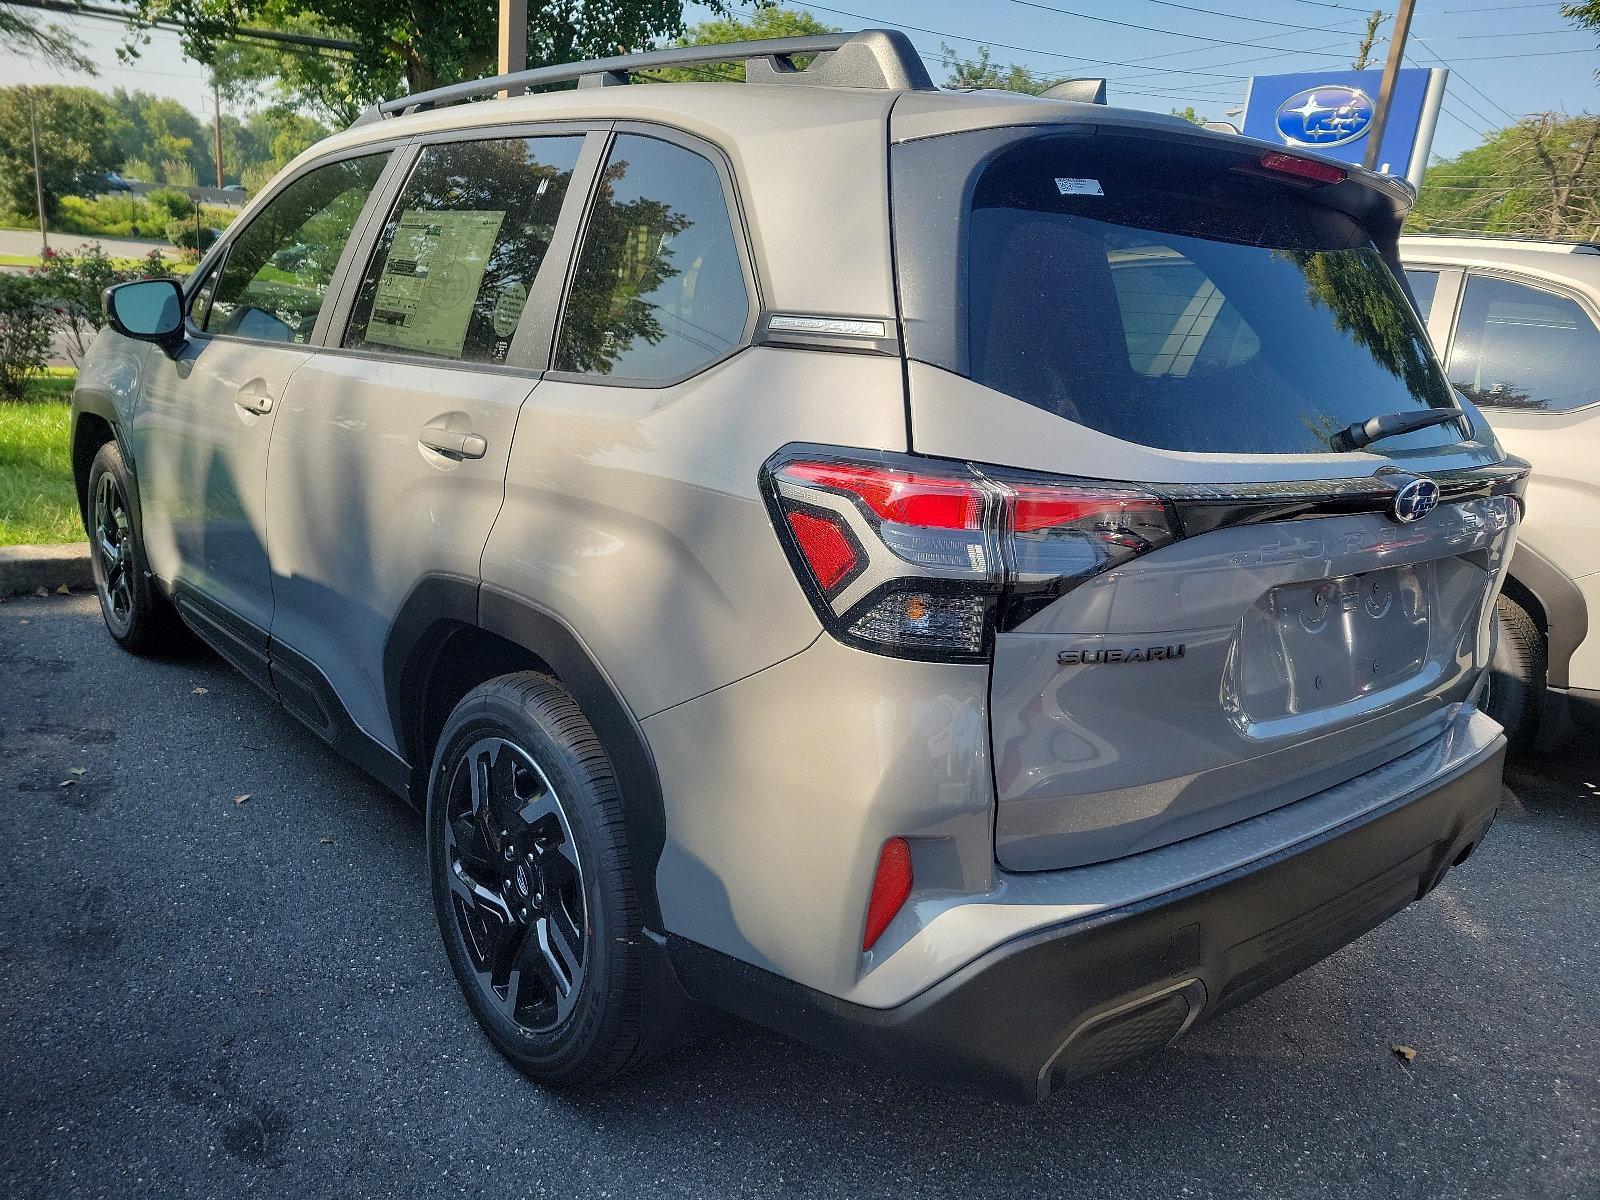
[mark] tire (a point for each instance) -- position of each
(139, 618)
(542, 893)
(1516, 675)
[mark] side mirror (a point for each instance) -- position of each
(148, 309)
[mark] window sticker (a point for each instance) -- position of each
(1079, 187)
(508, 308)
(430, 282)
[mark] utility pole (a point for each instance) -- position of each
(1364, 51)
(38, 177)
(216, 126)
(513, 40)
(1391, 69)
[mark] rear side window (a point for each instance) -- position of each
(659, 291)
(453, 267)
(1166, 298)
(277, 272)
(1424, 286)
(1522, 347)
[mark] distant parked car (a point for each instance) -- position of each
(237, 188)
(1517, 324)
(97, 182)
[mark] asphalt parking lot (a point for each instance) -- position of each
(208, 996)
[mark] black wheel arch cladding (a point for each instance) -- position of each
(445, 607)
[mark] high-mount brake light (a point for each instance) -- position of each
(925, 559)
(1302, 168)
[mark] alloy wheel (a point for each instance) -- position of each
(516, 884)
(113, 553)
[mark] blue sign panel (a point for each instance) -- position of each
(1331, 112)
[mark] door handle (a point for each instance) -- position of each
(456, 445)
(253, 401)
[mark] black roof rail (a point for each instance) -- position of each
(882, 59)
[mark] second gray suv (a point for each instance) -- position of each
(971, 580)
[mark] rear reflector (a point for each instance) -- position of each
(1303, 168)
(830, 552)
(890, 888)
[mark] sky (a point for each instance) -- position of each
(1506, 59)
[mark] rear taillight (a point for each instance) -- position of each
(925, 558)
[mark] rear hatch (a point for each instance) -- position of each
(1209, 323)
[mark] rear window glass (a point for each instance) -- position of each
(1186, 306)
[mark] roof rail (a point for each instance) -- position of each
(881, 59)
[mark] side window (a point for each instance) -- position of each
(659, 290)
(202, 299)
(278, 269)
(451, 273)
(1424, 286)
(1521, 347)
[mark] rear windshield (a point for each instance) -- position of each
(1184, 306)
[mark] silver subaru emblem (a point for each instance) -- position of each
(1416, 500)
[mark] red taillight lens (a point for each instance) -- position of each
(907, 498)
(890, 888)
(1301, 168)
(830, 551)
(915, 556)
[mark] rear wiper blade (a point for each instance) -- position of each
(1364, 433)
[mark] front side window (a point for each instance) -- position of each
(453, 268)
(278, 269)
(1179, 302)
(659, 291)
(1522, 347)
(1424, 286)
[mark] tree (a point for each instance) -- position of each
(1363, 58)
(29, 37)
(1188, 114)
(410, 47)
(73, 143)
(974, 74)
(1538, 178)
(1586, 14)
(766, 22)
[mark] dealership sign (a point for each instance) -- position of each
(1332, 113)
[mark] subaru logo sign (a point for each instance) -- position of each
(1324, 116)
(1416, 500)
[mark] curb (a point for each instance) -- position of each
(25, 569)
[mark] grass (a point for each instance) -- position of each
(122, 264)
(38, 505)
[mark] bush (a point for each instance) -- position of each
(71, 285)
(27, 318)
(169, 204)
(185, 236)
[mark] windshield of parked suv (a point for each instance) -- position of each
(1186, 305)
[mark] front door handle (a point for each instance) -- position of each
(456, 445)
(251, 400)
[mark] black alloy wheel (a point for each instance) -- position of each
(516, 884)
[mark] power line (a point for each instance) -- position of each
(1099, 62)
(1067, 12)
(1209, 12)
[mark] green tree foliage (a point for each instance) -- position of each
(27, 318)
(981, 72)
(1189, 115)
(73, 143)
(402, 48)
(1586, 14)
(25, 34)
(766, 22)
(1537, 178)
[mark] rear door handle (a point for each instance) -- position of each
(457, 445)
(251, 400)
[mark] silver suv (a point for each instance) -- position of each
(1515, 322)
(972, 580)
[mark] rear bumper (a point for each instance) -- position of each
(1067, 1000)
